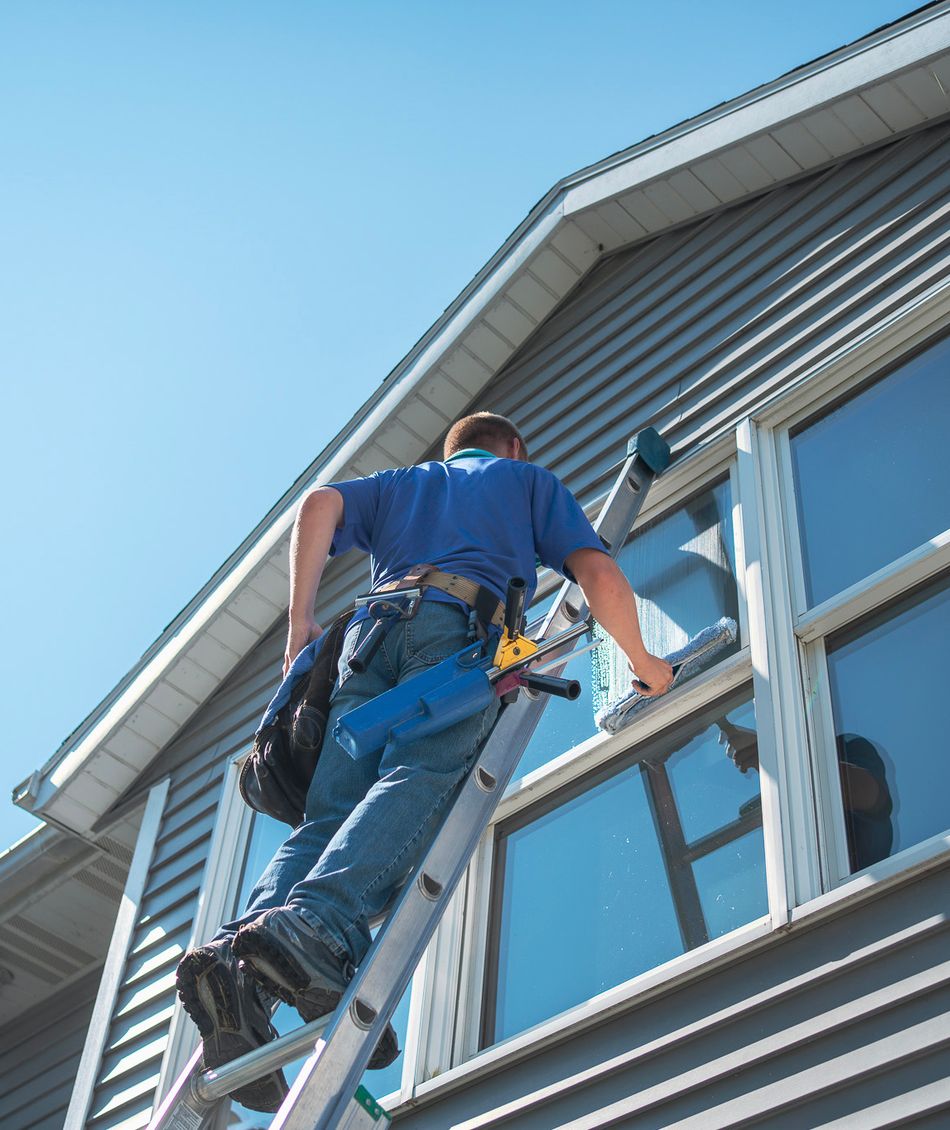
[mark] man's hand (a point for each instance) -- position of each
(299, 635)
(652, 675)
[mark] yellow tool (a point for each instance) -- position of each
(513, 647)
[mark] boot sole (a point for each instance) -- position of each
(208, 997)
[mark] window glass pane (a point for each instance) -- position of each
(870, 477)
(563, 724)
(731, 884)
(710, 790)
(888, 693)
(266, 836)
(682, 568)
(627, 875)
(586, 904)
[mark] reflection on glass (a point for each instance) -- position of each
(888, 694)
(266, 836)
(731, 884)
(682, 568)
(870, 477)
(585, 905)
(705, 783)
(663, 855)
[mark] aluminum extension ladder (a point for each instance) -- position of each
(327, 1094)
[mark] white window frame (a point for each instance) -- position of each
(110, 982)
(792, 636)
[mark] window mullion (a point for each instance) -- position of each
(913, 568)
(788, 811)
(791, 529)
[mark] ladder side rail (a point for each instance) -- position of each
(613, 524)
(321, 1092)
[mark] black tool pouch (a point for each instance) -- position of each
(276, 775)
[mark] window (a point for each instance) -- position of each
(871, 477)
(682, 568)
(266, 837)
(872, 513)
(888, 679)
(654, 855)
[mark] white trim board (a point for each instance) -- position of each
(116, 960)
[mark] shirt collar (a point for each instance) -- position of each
(472, 453)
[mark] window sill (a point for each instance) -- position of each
(875, 880)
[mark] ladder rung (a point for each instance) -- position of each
(220, 1081)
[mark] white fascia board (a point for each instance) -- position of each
(803, 91)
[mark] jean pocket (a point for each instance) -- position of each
(436, 632)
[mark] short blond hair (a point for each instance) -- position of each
(481, 429)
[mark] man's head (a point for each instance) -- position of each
(496, 434)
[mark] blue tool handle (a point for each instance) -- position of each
(443, 706)
(369, 727)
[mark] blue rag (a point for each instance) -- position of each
(300, 666)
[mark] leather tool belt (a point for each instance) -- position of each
(488, 608)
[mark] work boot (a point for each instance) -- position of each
(282, 951)
(231, 1016)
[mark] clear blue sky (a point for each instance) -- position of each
(222, 225)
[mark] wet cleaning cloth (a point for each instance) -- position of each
(686, 661)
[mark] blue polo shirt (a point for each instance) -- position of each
(483, 517)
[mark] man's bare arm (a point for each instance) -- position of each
(614, 606)
(319, 516)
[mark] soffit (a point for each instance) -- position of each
(59, 897)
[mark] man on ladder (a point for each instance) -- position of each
(481, 516)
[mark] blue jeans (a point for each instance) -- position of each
(369, 822)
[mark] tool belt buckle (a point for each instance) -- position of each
(399, 604)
